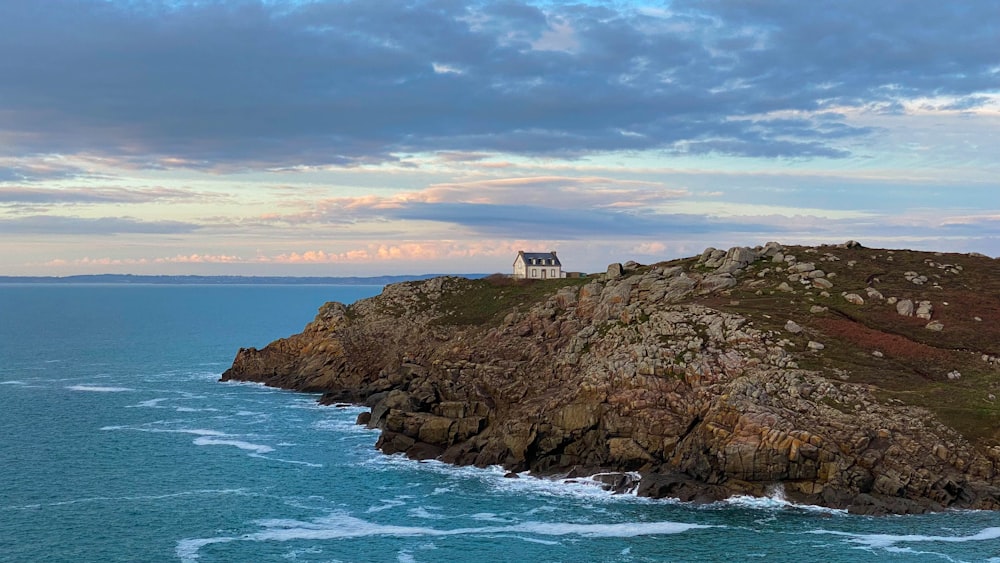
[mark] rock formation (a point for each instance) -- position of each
(706, 377)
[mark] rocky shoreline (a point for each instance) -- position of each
(731, 373)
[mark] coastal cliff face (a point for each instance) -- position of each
(839, 375)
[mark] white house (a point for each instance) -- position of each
(537, 265)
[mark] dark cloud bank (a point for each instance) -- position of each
(251, 84)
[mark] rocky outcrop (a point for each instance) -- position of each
(641, 369)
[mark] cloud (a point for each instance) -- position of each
(412, 251)
(650, 248)
(542, 191)
(534, 207)
(37, 169)
(60, 225)
(84, 195)
(540, 222)
(401, 251)
(199, 259)
(247, 85)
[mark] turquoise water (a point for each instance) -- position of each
(119, 444)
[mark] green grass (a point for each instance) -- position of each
(486, 301)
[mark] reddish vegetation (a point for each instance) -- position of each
(892, 345)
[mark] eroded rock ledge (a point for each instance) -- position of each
(684, 372)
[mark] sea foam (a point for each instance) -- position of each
(209, 441)
(150, 404)
(495, 477)
(887, 541)
(99, 389)
(774, 502)
(340, 526)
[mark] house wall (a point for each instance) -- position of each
(519, 271)
(543, 272)
(536, 272)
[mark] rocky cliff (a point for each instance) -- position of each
(844, 376)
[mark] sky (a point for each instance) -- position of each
(341, 137)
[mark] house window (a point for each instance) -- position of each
(534, 272)
(552, 273)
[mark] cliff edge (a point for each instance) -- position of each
(843, 376)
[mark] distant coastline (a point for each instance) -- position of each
(218, 280)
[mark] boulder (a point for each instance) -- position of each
(854, 298)
(904, 307)
(716, 282)
(436, 430)
(874, 293)
(738, 258)
(772, 249)
(823, 283)
(925, 310)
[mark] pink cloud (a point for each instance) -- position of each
(408, 251)
(200, 259)
(414, 251)
(650, 248)
(558, 192)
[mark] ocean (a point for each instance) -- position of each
(118, 443)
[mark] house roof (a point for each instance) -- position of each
(541, 256)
